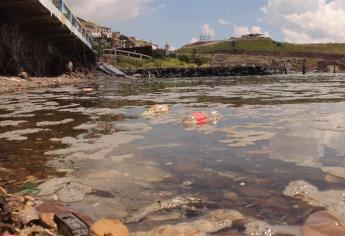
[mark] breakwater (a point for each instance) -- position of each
(201, 71)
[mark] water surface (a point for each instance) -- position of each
(275, 130)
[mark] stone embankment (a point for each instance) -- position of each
(201, 71)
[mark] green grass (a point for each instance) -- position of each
(264, 45)
(128, 63)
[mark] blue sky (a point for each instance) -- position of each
(177, 22)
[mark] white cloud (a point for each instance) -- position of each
(207, 30)
(194, 40)
(102, 11)
(241, 30)
(223, 22)
(307, 21)
(256, 30)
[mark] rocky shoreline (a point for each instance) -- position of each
(16, 84)
(200, 71)
(24, 215)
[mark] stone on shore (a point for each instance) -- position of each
(110, 227)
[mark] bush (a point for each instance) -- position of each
(98, 48)
(183, 58)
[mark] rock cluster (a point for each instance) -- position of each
(201, 71)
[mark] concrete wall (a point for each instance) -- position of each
(19, 48)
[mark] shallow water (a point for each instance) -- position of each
(275, 130)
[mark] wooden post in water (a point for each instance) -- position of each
(334, 69)
(304, 67)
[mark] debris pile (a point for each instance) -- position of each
(26, 216)
(18, 216)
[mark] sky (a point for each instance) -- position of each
(178, 22)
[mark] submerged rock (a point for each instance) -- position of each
(261, 228)
(232, 196)
(214, 222)
(64, 190)
(335, 171)
(332, 200)
(323, 224)
(73, 192)
(189, 203)
(332, 179)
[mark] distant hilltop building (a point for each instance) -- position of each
(252, 36)
(205, 38)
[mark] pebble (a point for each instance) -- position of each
(232, 196)
(110, 227)
(188, 183)
(48, 219)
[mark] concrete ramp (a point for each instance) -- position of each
(111, 70)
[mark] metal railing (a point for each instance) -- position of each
(116, 52)
(62, 11)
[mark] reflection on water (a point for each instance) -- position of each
(275, 130)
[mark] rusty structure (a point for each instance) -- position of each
(41, 35)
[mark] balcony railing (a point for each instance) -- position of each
(65, 11)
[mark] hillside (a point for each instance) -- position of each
(265, 47)
(265, 51)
